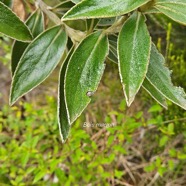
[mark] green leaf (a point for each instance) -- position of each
(7, 2)
(175, 9)
(102, 8)
(107, 21)
(91, 24)
(159, 76)
(40, 174)
(154, 93)
(113, 56)
(36, 24)
(77, 25)
(155, 108)
(12, 26)
(64, 124)
(76, 1)
(38, 61)
(84, 73)
(134, 45)
(151, 11)
(63, 7)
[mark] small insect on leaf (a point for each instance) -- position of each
(90, 93)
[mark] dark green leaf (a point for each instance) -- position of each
(113, 56)
(84, 73)
(64, 124)
(107, 21)
(134, 45)
(63, 7)
(102, 8)
(12, 26)
(77, 25)
(7, 2)
(36, 24)
(154, 93)
(91, 23)
(38, 61)
(175, 9)
(159, 76)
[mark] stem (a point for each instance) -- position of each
(46, 9)
(168, 42)
(75, 35)
(116, 27)
(91, 27)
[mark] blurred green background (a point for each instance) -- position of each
(147, 146)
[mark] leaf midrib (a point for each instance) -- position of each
(88, 59)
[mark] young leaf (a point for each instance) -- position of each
(84, 73)
(36, 25)
(38, 61)
(102, 8)
(159, 76)
(154, 93)
(175, 9)
(64, 125)
(12, 26)
(134, 45)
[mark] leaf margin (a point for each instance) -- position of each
(12, 102)
(25, 40)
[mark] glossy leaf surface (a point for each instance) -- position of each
(175, 9)
(159, 76)
(36, 25)
(134, 45)
(64, 124)
(84, 73)
(102, 8)
(38, 61)
(12, 26)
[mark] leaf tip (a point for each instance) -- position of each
(11, 101)
(64, 136)
(129, 97)
(129, 101)
(12, 97)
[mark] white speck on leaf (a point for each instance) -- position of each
(90, 93)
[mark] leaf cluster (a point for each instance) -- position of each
(98, 30)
